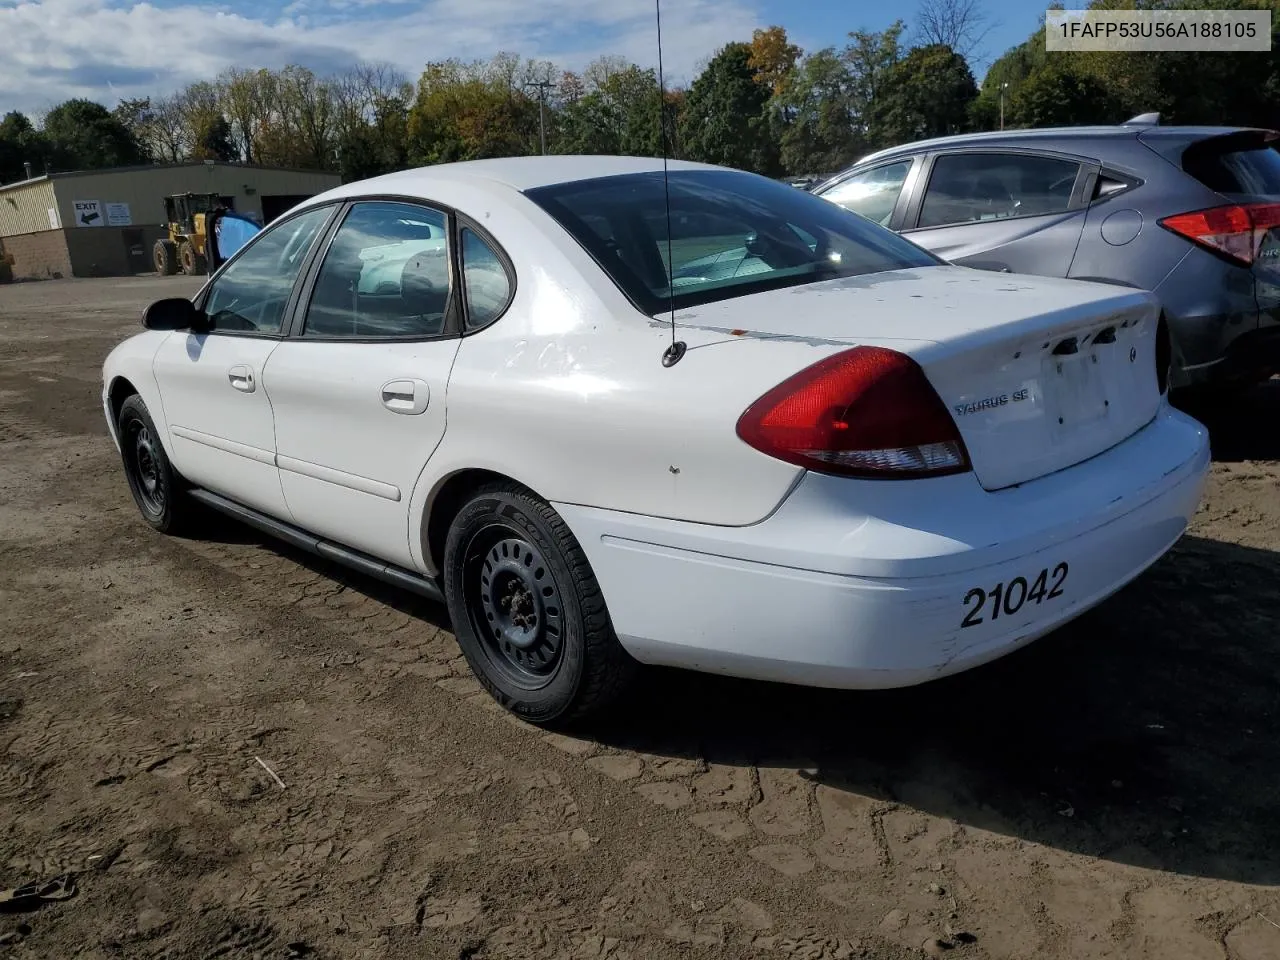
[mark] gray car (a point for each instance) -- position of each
(1190, 213)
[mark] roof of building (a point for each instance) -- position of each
(67, 174)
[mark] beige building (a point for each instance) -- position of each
(101, 223)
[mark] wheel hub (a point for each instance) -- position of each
(147, 464)
(518, 610)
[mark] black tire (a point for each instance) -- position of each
(201, 266)
(187, 257)
(514, 571)
(156, 487)
(165, 256)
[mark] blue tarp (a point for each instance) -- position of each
(231, 232)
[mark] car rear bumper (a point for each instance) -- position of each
(1223, 319)
(863, 584)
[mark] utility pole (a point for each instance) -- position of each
(543, 86)
(1002, 89)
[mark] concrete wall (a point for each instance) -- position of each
(25, 208)
(39, 256)
(145, 188)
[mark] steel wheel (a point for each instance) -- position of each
(514, 605)
(144, 465)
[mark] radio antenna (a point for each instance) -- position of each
(671, 356)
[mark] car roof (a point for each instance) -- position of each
(1042, 135)
(517, 173)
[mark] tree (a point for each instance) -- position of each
(467, 111)
(248, 98)
(20, 143)
(773, 57)
(1060, 94)
(927, 94)
(958, 24)
(620, 116)
(869, 58)
(83, 135)
(725, 119)
(815, 115)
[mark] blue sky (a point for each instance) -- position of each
(108, 49)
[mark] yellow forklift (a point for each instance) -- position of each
(186, 217)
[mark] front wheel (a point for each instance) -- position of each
(152, 480)
(527, 610)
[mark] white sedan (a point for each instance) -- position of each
(747, 433)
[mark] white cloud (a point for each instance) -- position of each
(55, 49)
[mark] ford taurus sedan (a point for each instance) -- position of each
(742, 431)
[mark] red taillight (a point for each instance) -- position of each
(1237, 230)
(865, 412)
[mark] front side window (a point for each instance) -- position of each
(385, 275)
(731, 234)
(873, 193)
(488, 288)
(975, 187)
(251, 294)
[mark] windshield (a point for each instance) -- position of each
(731, 234)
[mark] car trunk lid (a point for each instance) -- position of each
(1038, 373)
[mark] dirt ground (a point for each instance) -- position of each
(1112, 791)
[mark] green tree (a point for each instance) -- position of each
(725, 119)
(1061, 94)
(870, 58)
(1006, 75)
(926, 94)
(20, 142)
(468, 111)
(815, 114)
(619, 116)
(83, 135)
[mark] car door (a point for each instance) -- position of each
(359, 388)
(1005, 210)
(221, 432)
(875, 192)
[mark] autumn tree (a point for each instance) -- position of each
(468, 111)
(773, 58)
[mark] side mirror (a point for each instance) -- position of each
(174, 313)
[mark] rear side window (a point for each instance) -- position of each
(485, 280)
(1232, 166)
(976, 187)
(731, 234)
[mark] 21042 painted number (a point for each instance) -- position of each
(1006, 599)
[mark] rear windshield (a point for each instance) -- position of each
(731, 234)
(1235, 165)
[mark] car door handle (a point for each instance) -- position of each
(241, 378)
(406, 396)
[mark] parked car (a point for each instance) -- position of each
(1191, 213)
(804, 449)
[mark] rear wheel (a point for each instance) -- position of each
(527, 610)
(152, 480)
(165, 256)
